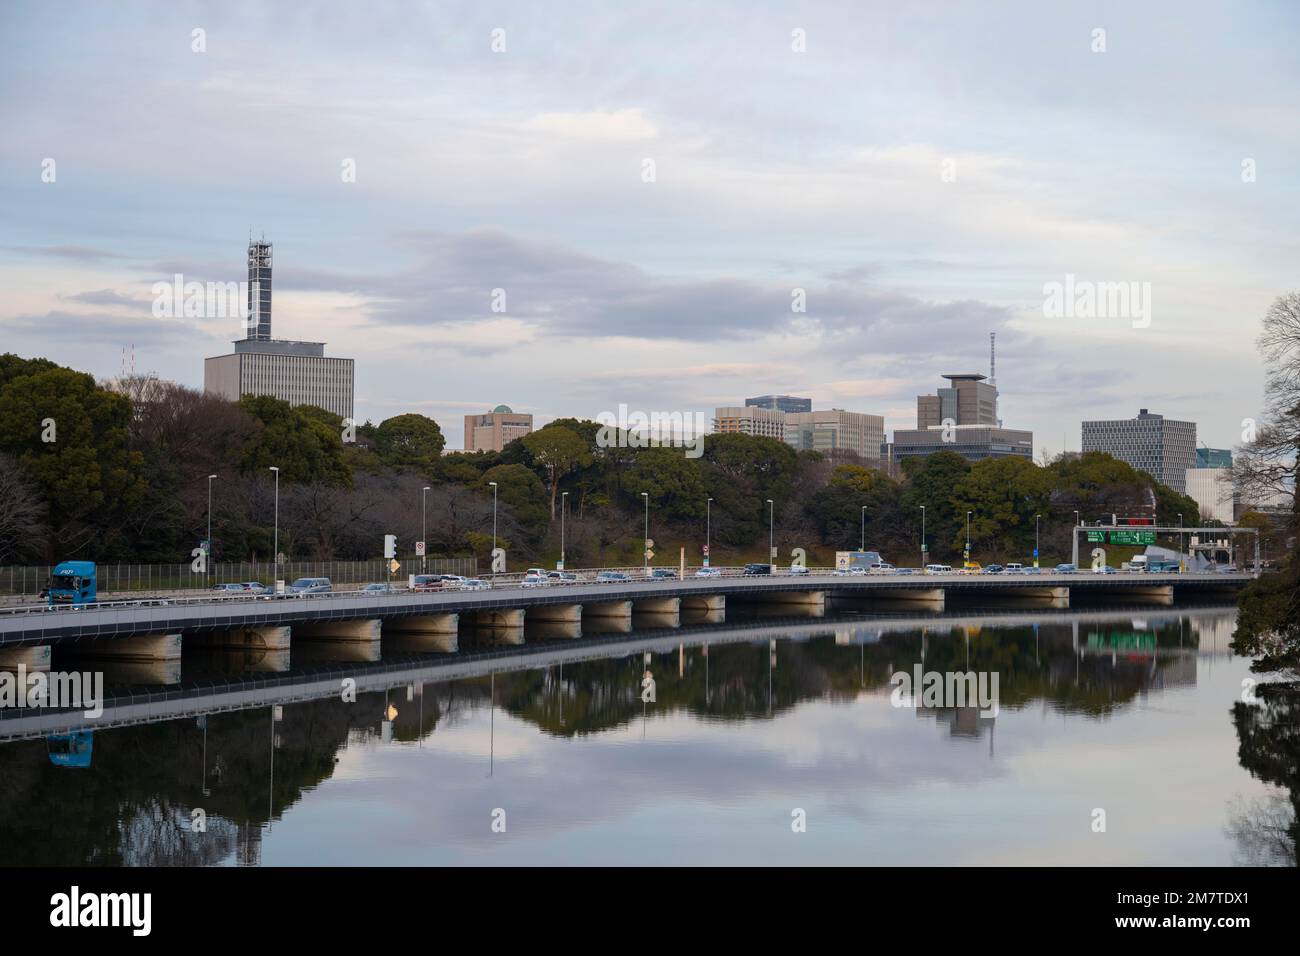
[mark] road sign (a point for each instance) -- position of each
(706, 550)
(1035, 552)
(649, 555)
(393, 566)
(773, 554)
(419, 549)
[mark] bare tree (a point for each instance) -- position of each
(22, 514)
(1265, 466)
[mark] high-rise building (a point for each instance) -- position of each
(972, 442)
(836, 430)
(494, 430)
(1211, 489)
(969, 400)
(296, 372)
(750, 420)
(1213, 457)
(782, 403)
(1162, 447)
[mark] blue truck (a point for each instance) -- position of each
(73, 582)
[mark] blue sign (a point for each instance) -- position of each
(1035, 552)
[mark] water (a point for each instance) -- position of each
(541, 759)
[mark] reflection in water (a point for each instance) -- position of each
(737, 726)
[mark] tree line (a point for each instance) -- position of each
(118, 471)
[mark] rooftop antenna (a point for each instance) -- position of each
(993, 373)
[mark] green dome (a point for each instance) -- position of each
(504, 408)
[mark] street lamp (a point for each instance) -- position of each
(645, 551)
(208, 557)
(275, 545)
(708, 527)
(863, 545)
(564, 501)
(1036, 517)
(771, 540)
(1180, 541)
(424, 526)
(968, 514)
(922, 537)
(494, 525)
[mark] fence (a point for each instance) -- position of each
(115, 578)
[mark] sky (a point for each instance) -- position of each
(651, 184)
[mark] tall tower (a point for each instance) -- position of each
(259, 290)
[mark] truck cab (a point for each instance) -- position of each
(72, 582)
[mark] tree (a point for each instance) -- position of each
(674, 483)
(558, 450)
(1004, 495)
(22, 514)
(305, 445)
(410, 441)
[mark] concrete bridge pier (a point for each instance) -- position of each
(34, 657)
(496, 618)
(425, 632)
(607, 617)
(141, 671)
(657, 612)
(243, 638)
(705, 603)
(553, 630)
(554, 614)
(351, 641)
(1155, 594)
(134, 647)
(795, 603)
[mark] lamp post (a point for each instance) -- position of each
(1180, 541)
(771, 522)
(494, 527)
(424, 526)
(863, 545)
(564, 501)
(275, 539)
(708, 528)
(645, 551)
(208, 557)
(923, 554)
(1036, 517)
(968, 537)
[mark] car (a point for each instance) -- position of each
(798, 569)
(534, 580)
(229, 588)
(1066, 568)
(972, 567)
(992, 569)
(370, 589)
(610, 577)
(1031, 570)
(662, 574)
(905, 570)
(539, 571)
(856, 569)
(708, 573)
(1014, 568)
(474, 584)
(562, 576)
(427, 582)
(938, 569)
(310, 586)
(1104, 569)
(757, 568)
(884, 567)
(452, 582)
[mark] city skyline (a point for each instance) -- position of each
(476, 170)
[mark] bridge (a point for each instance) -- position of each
(134, 706)
(157, 628)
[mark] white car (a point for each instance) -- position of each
(938, 569)
(474, 584)
(1013, 568)
(535, 581)
(708, 573)
(798, 569)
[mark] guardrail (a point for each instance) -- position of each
(588, 576)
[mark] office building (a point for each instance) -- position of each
(749, 420)
(836, 430)
(296, 372)
(972, 442)
(968, 400)
(782, 403)
(1162, 447)
(1212, 490)
(496, 429)
(1214, 458)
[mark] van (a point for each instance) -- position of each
(938, 569)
